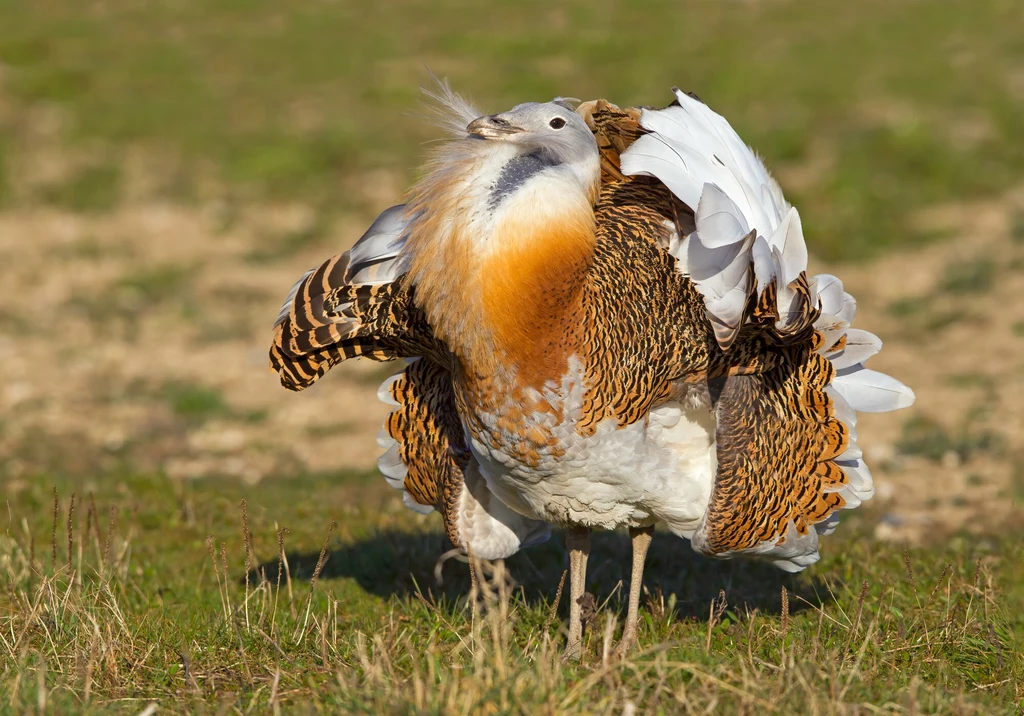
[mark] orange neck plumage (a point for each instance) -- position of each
(511, 306)
(500, 278)
(530, 288)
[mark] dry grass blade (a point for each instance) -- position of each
(910, 570)
(111, 529)
(247, 539)
(942, 578)
(856, 619)
(785, 611)
(53, 536)
(715, 612)
(70, 530)
(300, 631)
(553, 611)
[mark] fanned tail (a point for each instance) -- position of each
(787, 457)
(354, 304)
(747, 255)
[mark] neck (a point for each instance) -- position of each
(530, 288)
(499, 282)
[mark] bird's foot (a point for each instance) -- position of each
(587, 610)
(626, 644)
(573, 651)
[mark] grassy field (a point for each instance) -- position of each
(875, 109)
(138, 594)
(169, 168)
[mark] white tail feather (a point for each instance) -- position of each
(702, 160)
(719, 219)
(413, 505)
(747, 232)
(860, 345)
(869, 391)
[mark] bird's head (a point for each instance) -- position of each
(538, 125)
(551, 130)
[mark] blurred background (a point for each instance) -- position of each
(168, 168)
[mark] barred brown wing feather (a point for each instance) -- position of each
(425, 434)
(298, 373)
(327, 324)
(776, 440)
(355, 304)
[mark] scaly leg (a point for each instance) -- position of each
(578, 542)
(641, 538)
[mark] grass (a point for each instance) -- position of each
(976, 276)
(93, 189)
(943, 305)
(927, 438)
(196, 403)
(871, 111)
(322, 593)
(210, 597)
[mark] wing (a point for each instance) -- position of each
(428, 458)
(793, 378)
(785, 463)
(358, 304)
(425, 449)
(639, 357)
(354, 304)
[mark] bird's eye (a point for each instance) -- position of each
(556, 123)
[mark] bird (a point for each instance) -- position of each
(607, 322)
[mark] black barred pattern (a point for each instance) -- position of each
(646, 326)
(431, 441)
(643, 332)
(776, 438)
(327, 325)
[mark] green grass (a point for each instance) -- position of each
(144, 598)
(883, 108)
(196, 403)
(925, 437)
(93, 189)
(975, 276)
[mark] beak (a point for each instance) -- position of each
(492, 127)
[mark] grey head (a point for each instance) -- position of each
(548, 134)
(550, 126)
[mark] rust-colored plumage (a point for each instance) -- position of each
(612, 325)
(638, 321)
(605, 291)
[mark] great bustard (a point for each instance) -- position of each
(610, 325)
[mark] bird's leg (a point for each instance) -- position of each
(641, 538)
(578, 542)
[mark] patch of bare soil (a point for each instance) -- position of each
(952, 324)
(137, 339)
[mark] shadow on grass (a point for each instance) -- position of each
(402, 563)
